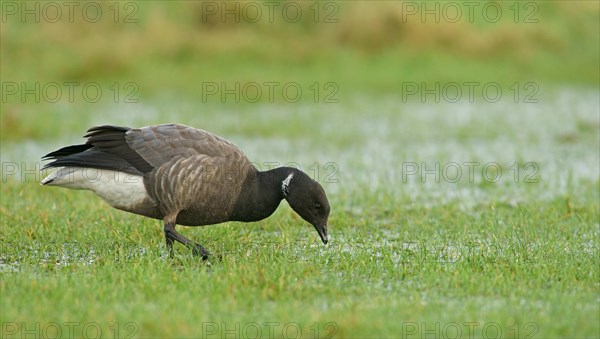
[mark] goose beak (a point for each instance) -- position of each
(322, 230)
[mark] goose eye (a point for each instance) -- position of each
(318, 206)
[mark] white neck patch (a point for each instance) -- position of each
(285, 184)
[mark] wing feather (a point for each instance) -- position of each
(160, 144)
(141, 150)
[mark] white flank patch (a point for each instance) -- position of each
(120, 190)
(285, 183)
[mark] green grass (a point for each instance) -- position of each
(406, 257)
(530, 268)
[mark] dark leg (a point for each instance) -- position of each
(172, 235)
(169, 243)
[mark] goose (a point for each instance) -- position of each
(183, 176)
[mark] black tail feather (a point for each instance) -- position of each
(66, 151)
(94, 158)
(106, 148)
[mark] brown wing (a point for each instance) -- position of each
(160, 144)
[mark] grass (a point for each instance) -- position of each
(408, 255)
(516, 268)
(415, 250)
(506, 265)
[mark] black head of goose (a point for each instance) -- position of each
(185, 176)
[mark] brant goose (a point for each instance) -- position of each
(185, 176)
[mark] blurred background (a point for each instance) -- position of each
(170, 51)
(366, 85)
